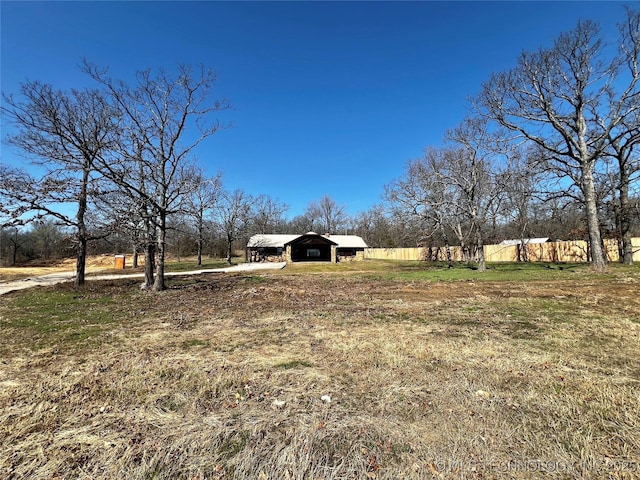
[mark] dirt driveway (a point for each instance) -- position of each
(60, 277)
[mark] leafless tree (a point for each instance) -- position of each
(164, 119)
(473, 173)
(231, 216)
(48, 237)
(301, 224)
(624, 139)
(65, 133)
(453, 188)
(376, 227)
(563, 99)
(14, 238)
(328, 216)
(200, 205)
(422, 197)
(126, 220)
(520, 183)
(267, 214)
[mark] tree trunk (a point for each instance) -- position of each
(229, 250)
(447, 247)
(159, 283)
(598, 260)
(149, 263)
(14, 253)
(200, 237)
(81, 260)
(14, 256)
(149, 246)
(624, 219)
(81, 254)
(135, 256)
(480, 246)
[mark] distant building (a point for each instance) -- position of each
(526, 241)
(310, 247)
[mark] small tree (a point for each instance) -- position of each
(231, 217)
(200, 205)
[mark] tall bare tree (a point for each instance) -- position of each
(473, 173)
(267, 214)
(520, 181)
(376, 227)
(564, 100)
(423, 198)
(65, 133)
(200, 205)
(164, 118)
(328, 216)
(624, 139)
(231, 217)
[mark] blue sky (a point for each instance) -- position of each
(328, 97)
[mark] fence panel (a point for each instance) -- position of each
(570, 251)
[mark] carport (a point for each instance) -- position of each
(311, 247)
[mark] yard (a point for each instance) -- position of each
(371, 369)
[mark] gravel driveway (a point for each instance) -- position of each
(53, 278)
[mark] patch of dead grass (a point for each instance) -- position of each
(332, 376)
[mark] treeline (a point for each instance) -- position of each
(561, 128)
(46, 239)
(548, 150)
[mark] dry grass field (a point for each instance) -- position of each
(370, 370)
(94, 264)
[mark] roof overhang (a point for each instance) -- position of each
(311, 239)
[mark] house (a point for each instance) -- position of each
(310, 247)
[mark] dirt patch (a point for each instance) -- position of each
(94, 264)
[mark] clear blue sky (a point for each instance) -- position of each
(329, 97)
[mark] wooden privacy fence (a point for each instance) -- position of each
(572, 251)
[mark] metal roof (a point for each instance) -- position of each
(270, 240)
(526, 241)
(278, 240)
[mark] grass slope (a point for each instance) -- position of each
(370, 370)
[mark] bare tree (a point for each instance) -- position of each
(625, 137)
(126, 220)
(473, 173)
(563, 99)
(48, 237)
(232, 215)
(423, 198)
(301, 223)
(453, 189)
(520, 183)
(200, 205)
(15, 239)
(64, 132)
(164, 119)
(267, 214)
(326, 214)
(376, 227)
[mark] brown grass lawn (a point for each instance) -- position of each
(380, 371)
